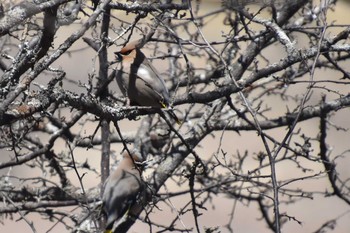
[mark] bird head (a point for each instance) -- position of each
(129, 51)
(137, 158)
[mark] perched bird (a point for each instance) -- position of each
(122, 188)
(138, 79)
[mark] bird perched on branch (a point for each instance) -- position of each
(139, 80)
(122, 188)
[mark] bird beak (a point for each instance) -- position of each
(118, 57)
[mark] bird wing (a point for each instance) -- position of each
(150, 76)
(119, 194)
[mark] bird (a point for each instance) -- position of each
(122, 188)
(139, 80)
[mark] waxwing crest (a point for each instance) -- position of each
(130, 46)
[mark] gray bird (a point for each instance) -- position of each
(121, 189)
(139, 80)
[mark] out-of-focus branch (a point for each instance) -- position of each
(45, 149)
(329, 165)
(171, 162)
(41, 66)
(306, 114)
(23, 11)
(105, 131)
(33, 206)
(148, 7)
(34, 50)
(284, 63)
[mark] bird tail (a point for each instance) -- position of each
(173, 115)
(109, 228)
(170, 111)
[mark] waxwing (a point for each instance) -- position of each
(138, 79)
(122, 188)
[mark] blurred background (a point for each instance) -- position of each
(80, 61)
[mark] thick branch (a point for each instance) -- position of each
(23, 11)
(41, 66)
(148, 7)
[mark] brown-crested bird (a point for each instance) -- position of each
(139, 80)
(122, 188)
